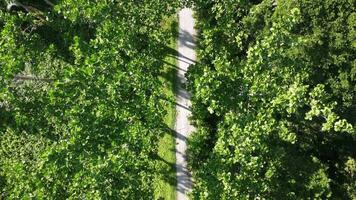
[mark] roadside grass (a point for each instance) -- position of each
(165, 185)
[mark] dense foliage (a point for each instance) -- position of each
(274, 100)
(80, 97)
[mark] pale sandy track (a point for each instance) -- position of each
(186, 50)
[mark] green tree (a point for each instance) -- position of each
(80, 98)
(274, 100)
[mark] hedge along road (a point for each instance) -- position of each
(186, 57)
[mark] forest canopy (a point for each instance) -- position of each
(80, 99)
(274, 99)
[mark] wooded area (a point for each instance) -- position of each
(81, 109)
(274, 100)
(82, 99)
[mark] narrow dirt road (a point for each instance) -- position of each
(186, 50)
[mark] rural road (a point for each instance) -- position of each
(186, 50)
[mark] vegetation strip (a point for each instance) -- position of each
(165, 183)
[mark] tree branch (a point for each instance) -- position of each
(15, 3)
(49, 3)
(31, 78)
